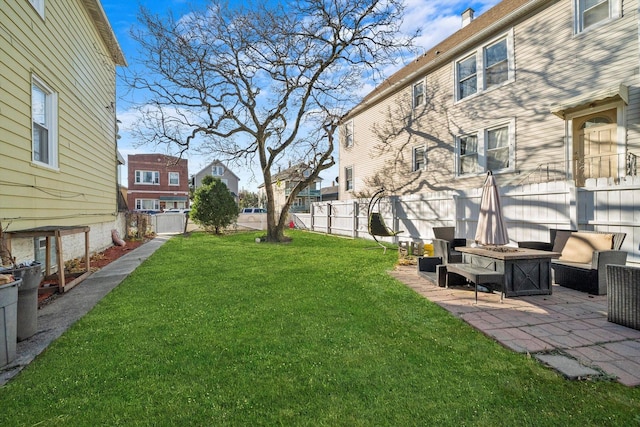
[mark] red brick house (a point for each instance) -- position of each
(157, 182)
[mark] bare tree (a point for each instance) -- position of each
(267, 83)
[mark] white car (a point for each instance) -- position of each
(253, 210)
(176, 210)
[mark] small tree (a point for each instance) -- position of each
(213, 206)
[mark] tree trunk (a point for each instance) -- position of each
(276, 233)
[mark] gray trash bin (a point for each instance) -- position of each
(8, 320)
(31, 276)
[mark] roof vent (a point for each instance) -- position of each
(467, 17)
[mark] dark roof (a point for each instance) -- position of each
(292, 173)
(432, 58)
(329, 190)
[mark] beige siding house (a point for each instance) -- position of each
(534, 90)
(58, 154)
(285, 181)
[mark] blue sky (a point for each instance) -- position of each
(436, 18)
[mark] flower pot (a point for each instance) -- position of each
(8, 321)
(31, 276)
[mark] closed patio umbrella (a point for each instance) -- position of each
(492, 229)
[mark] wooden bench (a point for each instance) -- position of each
(477, 275)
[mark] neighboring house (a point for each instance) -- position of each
(58, 151)
(157, 182)
(284, 181)
(534, 90)
(218, 170)
(329, 193)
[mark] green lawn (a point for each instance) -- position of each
(223, 331)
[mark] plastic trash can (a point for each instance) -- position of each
(31, 276)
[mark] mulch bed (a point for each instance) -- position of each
(49, 286)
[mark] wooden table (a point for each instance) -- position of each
(57, 232)
(526, 271)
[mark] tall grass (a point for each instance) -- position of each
(223, 331)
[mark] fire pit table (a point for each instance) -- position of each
(526, 271)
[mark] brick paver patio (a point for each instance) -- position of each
(568, 322)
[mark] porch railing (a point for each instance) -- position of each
(613, 166)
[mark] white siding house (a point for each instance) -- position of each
(537, 90)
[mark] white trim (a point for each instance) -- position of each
(423, 82)
(479, 53)
(38, 5)
(352, 179)
(615, 12)
(156, 174)
(618, 91)
(621, 134)
(169, 178)
(217, 168)
(481, 135)
(51, 107)
(156, 203)
(348, 128)
(424, 157)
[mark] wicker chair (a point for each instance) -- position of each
(445, 243)
(623, 295)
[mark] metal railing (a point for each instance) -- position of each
(613, 166)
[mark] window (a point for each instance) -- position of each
(348, 178)
(174, 178)
(596, 121)
(496, 68)
(467, 80)
(38, 5)
(489, 149)
(217, 170)
(419, 158)
(147, 204)
(592, 12)
(490, 66)
(44, 107)
(147, 177)
(468, 162)
(498, 148)
(418, 94)
(347, 134)
(225, 181)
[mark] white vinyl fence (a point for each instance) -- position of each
(530, 211)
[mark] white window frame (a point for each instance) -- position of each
(50, 125)
(175, 175)
(418, 97)
(347, 134)
(479, 55)
(348, 183)
(484, 151)
(414, 158)
(153, 202)
(140, 174)
(217, 170)
(38, 5)
(615, 12)
(225, 181)
(459, 154)
(474, 76)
